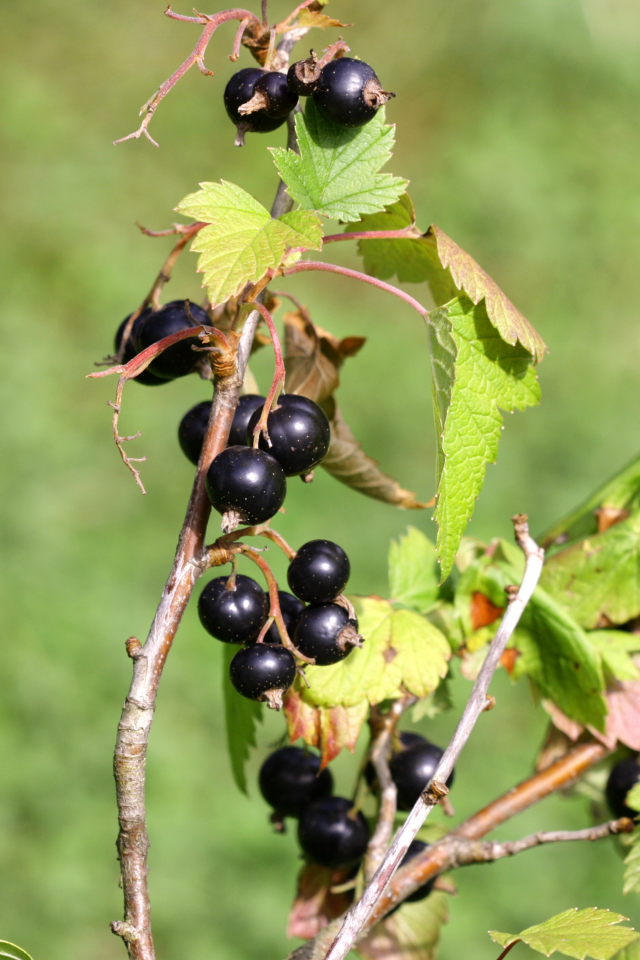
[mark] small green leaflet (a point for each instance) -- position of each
(615, 647)
(402, 649)
(576, 933)
(631, 882)
(242, 717)
(336, 173)
(474, 373)
(242, 242)
(598, 575)
(413, 571)
(14, 953)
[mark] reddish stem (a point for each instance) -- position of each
(407, 233)
(278, 377)
(305, 265)
(235, 53)
(507, 949)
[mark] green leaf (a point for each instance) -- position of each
(242, 242)
(474, 373)
(575, 933)
(633, 798)
(336, 173)
(401, 650)
(631, 881)
(421, 652)
(621, 492)
(14, 953)
(615, 647)
(599, 575)
(632, 952)
(414, 260)
(413, 571)
(242, 717)
(557, 655)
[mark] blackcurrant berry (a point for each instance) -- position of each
(327, 633)
(415, 847)
(241, 88)
(412, 768)
(319, 571)
(624, 775)
(236, 615)
(279, 99)
(331, 834)
(263, 671)
(131, 349)
(246, 486)
(349, 93)
(291, 609)
(192, 429)
(299, 432)
(407, 739)
(290, 779)
(303, 76)
(246, 405)
(179, 359)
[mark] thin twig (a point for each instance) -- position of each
(407, 233)
(359, 914)
(507, 949)
(277, 382)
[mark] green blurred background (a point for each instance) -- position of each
(518, 127)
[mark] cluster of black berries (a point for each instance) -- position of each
(235, 611)
(331, 832)
(623, 777)
(346, 91)
(152, 326)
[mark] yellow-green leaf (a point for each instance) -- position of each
(575, 933)
(12, 952)
(421, 651)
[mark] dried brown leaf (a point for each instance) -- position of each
(311, 18)
(347, 462)
(477, 284)
(302, 719)
(328, 729)
(315, 905)
(313, 357)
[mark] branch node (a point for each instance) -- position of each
(435, 792)
(490, 704)
(128, 933)
(134, 647)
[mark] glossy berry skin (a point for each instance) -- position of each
(248, 481)
(319, 571)
(624, 775)
(131, 349)
(299, 432)
(263, 671)
(233, 616)
(290, 779)
(407, 739)
(281, 100)
(192, 429)
(340, 92)
(319, 630)
(329, 836)
(239, 90)
(246, 405)
(412, 768)
(179, 359)
(291, 609)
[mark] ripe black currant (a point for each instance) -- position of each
(319, 571)
(263, 671)
(273, 101)
(180, 359)
(290, 779)
(349, 93)
(299, 432)
(407, 739)
(246, 405)
(624, 775)
(332, 834)
(131, 349)
(303, 76)
(246, 486)
(192, 429)
(411, 769)
(236, 615)
(327, 633)
(291, 609)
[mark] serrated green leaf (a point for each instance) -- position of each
(242, 242)
(599, 575)
(575, 933)
(242, 717)
(422, 652)
(413, 570)
(474, 374)
(631, 881)
(14, 953)
(615, 647)
(336, 172)
(414, 260)
(556, 654)
(620, 492)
